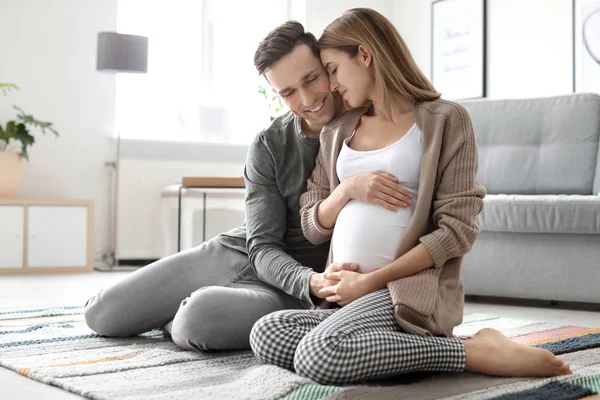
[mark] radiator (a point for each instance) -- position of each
(146, 224)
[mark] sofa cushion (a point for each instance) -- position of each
(540, 214)
(538, 146)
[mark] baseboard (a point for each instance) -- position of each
(123, 265)
(135, 262)
(568, 305)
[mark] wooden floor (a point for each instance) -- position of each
(49, 290)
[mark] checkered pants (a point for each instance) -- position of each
(357, 342)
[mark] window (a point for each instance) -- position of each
(201, 83)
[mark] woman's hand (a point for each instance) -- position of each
(318, 281)
(378, 188)
(350, 286)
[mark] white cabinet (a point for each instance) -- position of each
(12, 229)
(57, 236)
(46, 236)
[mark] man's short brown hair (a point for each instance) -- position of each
(282, 41)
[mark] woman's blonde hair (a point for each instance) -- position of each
(394, 68)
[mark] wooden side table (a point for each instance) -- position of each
(206, 185)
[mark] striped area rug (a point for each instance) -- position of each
(54, 346)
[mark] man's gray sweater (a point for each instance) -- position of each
(279, 162)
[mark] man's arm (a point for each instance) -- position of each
(266, 224)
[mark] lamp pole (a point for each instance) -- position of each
(119, 53)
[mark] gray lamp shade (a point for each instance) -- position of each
(118, 52)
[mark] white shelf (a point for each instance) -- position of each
(12, 220)
(46, 236)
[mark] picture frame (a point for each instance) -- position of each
(586, 46)
(458, 48)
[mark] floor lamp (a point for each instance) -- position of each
(119, 53)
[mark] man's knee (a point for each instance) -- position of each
(101, 315)
(205, 322)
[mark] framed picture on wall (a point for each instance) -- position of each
(586, 46)
(458, 48)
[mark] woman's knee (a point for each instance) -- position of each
(317, 358)
(264, 336)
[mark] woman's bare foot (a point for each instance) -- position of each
(490, 352)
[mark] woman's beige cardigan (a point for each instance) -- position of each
(430, 302)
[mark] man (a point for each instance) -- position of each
(209, 297)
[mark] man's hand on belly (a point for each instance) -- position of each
(318, 282)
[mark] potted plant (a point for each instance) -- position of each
(274, 102)
(15, 138)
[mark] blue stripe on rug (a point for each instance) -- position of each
(40, 309)
(573, 344)
(53, 340)
(155, 333)
(35, 328)
(553, 390)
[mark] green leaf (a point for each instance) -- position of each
(7, 87)
(18, 129)
(4, 139)
(30, 120)
(21, 134)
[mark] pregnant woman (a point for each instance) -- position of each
(400, 308)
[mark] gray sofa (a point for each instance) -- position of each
(539, 160)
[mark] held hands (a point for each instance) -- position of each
(378, 188)
(318, 281)
(348, 286)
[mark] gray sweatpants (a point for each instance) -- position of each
(207, 298)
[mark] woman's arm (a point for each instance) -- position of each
(353, 285)
(412, 262)
(457, 202)
(378, 188)
(459, 197)
(318, 190)
(320, 208)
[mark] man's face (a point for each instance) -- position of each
(303, 84)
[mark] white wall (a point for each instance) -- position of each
(320, 13)
(412, 19)
(49, 49)
(146, 169)
(529, 45)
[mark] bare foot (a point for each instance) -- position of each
(490, 352)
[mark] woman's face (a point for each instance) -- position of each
(350, 76)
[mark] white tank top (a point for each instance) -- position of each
(368, 234)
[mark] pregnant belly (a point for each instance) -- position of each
(368, 235)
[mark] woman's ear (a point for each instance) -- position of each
(365, 56)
